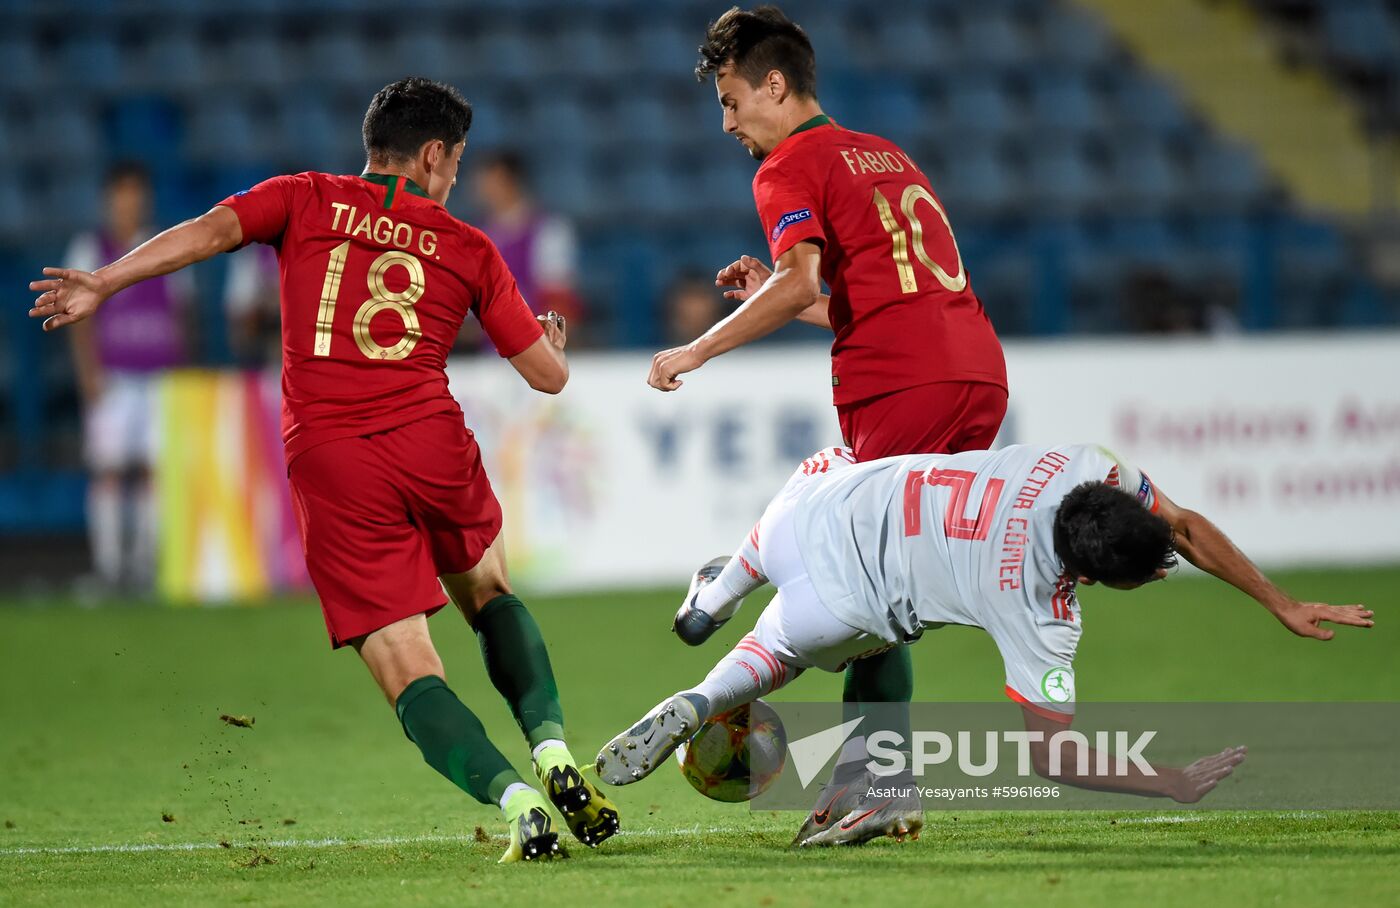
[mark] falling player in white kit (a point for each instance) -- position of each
(868, 556)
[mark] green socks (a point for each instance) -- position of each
(518, 664)
(453, 741)
(886, 679)
(451, 737)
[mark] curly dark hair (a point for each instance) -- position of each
(1106, 535)
(405, 114)
(758, 41)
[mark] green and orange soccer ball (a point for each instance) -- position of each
(736, 755)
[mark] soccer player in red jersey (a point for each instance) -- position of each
(916, 367)
(392, 500)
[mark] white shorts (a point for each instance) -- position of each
(119, 431)
(796, 626)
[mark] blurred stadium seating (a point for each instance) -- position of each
(1065, 165)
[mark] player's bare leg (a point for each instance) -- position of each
(518, 664)
(404, 663)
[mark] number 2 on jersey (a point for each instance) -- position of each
(956, 523)
(401, 302)
(908, 283)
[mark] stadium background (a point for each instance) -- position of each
(1115, 171)
(1109, 167)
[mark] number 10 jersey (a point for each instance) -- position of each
(902, 305)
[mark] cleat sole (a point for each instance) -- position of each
(542, 847)
(590, 816)
(635, 753)
(571, 800)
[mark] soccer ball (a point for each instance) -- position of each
(736, 755)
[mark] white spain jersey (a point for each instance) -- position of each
(897, 545)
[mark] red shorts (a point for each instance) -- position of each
(939, 418)
(382, 515)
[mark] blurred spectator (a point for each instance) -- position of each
(691, 307)
(1154, 302)
(117, 354)
(539, 247)
(253, 307)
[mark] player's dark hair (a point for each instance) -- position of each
(756, 42)
(1106, 535)
(122, 171)
(403, 115)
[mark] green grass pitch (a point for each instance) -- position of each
(120, 785)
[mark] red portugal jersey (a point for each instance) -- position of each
(901, 304)
(376, 280)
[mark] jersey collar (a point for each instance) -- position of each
(394, 183)
(818, 120)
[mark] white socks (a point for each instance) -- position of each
(853, 751)
(741, 576)
(104, 514)
(748, 672)
(121, 530)
(547, 742)
(510, 791)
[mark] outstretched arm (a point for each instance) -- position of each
(67, 296)
(747, 275)
(793, 288)
(1203, 544)
(1186, 785)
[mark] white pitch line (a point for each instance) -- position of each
(1203, 815)
(389, 841)
(141, 847)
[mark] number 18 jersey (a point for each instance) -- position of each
(897, 545)
(376, 279)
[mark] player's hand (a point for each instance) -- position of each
(1305, 618)
(746, 276)
(668, 365)
(554, 328)
(67, 296)
(1190, 784)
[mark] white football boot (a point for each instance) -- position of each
(637, 752)
(883, 806)
(691, 624)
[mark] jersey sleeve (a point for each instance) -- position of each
(826, 460)
(787, 208)
(264, 210)
(502, 311)
(1039, 661)
(1125, 475)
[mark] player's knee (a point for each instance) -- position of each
(472, 590)
(471, 597)
(396, 678)
(398, 655)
